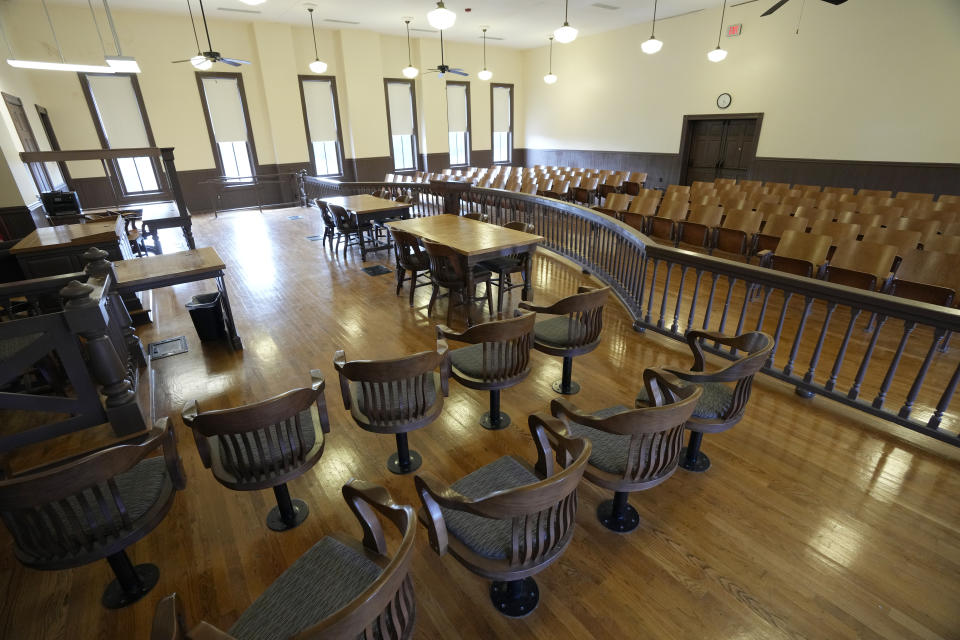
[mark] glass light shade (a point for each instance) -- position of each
(441, 17)
(318, 66)
(200, 62)
(59, 66)
(410, 72)
(717, 55)
(123, 64)
(651, 46)
(484, 74)
(565, 34)
(253, 2)
(550, 78)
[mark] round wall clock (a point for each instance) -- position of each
(724, 100)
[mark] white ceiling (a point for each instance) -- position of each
(521, 23)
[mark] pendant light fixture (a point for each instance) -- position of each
(550, 78)
(409, 71)
(120, 63)
(317, 66)
(566, 33)
(63, 65)
(652, 45)
(484, 73)
(718, 54)
(199, 61)
(441, 18)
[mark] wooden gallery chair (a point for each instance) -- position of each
(448, 271)
(575, 330)
(506, 522)
(720, 407)
(633, 449)
(395, 396)
(94, 506)
(339, 588)
(505, 266)
(410, 257)
(498, 357)
(265, 444)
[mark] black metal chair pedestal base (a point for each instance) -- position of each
(132, 582)
(405, 459)
(565, 386)
(487, 420)
(617, 514)
(691, 458)
(288, 513)
(515, 598)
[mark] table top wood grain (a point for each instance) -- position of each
(465, 236)
(366, 203)
(50, 238)
(140, 273)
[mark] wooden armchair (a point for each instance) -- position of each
(720, 407)
(506, 523)
(94, 506)
(498, 357)
(448, 271)
(338, 590)
(410, 257)
(505, 266)
(329, 224)
(575, 330)
(633, 449)
(350, 230)
(265, 444)
(395, 396)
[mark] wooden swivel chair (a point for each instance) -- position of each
(265, 444)
(720, 407)
(395, 396)
(94, 506)
(448, 271)
(505, 266)
(506, 523)
(633, 449)
(575, 330)
(498, 357)
(410, 257)
(338, 589)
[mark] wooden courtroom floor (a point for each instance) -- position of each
(813, 522)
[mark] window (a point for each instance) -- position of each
(458, 122)
(225, 107)
(117, 110)
(501, 110)
(402, 118)
(319, 94)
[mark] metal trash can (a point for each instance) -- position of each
(206, 311)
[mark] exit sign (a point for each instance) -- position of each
(734, 30)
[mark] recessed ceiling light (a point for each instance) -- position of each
(237, 10)
(340, 21)
(253, 2)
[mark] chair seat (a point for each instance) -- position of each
(561, 331)
(469, 360)
(480, 274)
(275, 453)
(411, 263)
(488, 537)
(505, 264)
(321, 582)
(610, 450)
(397, 403)
(716, 400)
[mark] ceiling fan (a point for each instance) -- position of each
(205, 59)
(783, 2)
(445, 68)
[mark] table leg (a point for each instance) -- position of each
(526, 293)
(235, 341)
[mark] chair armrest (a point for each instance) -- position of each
(168, 620)
(443, 331)
(339, 361)
(168, 442)
(444, 350)
(431, 498)
(548, 433)
(317, 383)
(528, 306)
(206, 631)
(694, 337)
(189, 414)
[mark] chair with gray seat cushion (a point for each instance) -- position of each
(721, 406)
(448, 270)
(498, 357)
(575, 330)
(265, 444)
(505, 266)
(506, 521)
(633, 449)
(94, 506)
(337, 589)
(395, 396)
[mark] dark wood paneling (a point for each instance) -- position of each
(661, 168)
(919, 177)
(16, 222)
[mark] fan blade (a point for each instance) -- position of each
(459, 72)
(176, 61)
(234, 61)
(774, 8)
(835, 2)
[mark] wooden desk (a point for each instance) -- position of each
(475, 241)
(370, 209)
(153, 272)
(50, 251)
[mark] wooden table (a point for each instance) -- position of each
(370, 209)
(475, 241)
(153, 272)
(50, 251)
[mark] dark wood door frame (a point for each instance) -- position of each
(47, 125)
(685, 134)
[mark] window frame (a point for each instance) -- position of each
(47, 125)
(468, 134)
(415, 136)
(251, 144)
(306, 124)
(502, 85)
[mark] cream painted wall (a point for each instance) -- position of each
(866, 81)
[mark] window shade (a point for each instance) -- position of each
(321, 116)
(119, 111)
(401, 108)
(456, 107)
(501, 109)
(226, 109)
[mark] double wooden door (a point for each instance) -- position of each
(720, 148)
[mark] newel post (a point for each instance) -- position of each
(300, 177)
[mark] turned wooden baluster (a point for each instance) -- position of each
(892, 370)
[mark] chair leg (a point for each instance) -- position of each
(494, 419)
(565, 386)
(500, 280)
(401, 273)
(691, 458)
(515, 598)
(490, 298)
(405, 459)
(288, 513)
(132, 582)
(617, 514)
(433, 299)
(413, 285)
